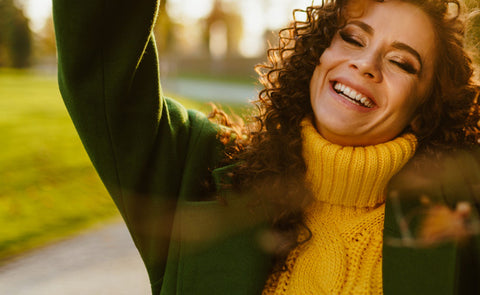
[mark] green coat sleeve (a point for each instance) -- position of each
(148, 150)
(109, 80)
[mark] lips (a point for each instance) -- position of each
(353, 95)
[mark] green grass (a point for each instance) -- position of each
(48, 187)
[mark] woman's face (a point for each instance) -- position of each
(376, 72)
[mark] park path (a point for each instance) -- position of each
(102, 261)
(210, 91)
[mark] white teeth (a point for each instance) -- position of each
(348, 92)
(353, 95)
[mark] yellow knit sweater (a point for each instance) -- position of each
(344, 254)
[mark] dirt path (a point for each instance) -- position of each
(102, 261)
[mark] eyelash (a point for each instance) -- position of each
(349, 38)
(407, 67)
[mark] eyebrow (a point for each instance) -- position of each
(367, 28)
(405, 47)
(397, 45)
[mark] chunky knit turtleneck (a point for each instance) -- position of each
(344, 253)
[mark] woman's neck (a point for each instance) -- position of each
(352, 176)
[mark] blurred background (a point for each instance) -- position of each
(59, 231)
(49, 191)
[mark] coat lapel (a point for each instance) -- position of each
(414, 270)
(449, 267)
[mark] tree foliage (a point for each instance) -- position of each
(473, 29)
(15, 36)
(45, 40)
(163, 29)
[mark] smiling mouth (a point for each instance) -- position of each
(353, 96)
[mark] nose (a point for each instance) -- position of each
(368, 65)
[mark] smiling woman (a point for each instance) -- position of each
(371, 80)
(355, 93)
(345, 183)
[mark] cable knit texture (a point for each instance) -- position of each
(344, 254)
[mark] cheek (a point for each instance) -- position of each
(329, 61)
(403, 99)
(315, 81)
(412, 90)
(409, 98)
(406, 88)
(325, 56)
(332, 54)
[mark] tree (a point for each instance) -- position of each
(45, 40)
(163, 29)
(20, 42)
(473, 31)
(15, 36)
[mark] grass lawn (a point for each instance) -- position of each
(48, 188)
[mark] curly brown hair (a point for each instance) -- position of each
(450, 115)
(271, 163)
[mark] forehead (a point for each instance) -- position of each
(396, 21)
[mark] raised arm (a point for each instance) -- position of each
(109, 80)
(137, 141)
(108, 76)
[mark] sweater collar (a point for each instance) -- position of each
(352, 176)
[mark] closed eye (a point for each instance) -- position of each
(351, 39)
(407, 67)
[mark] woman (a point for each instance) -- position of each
(350, 97)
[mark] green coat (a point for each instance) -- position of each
(154, 156)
